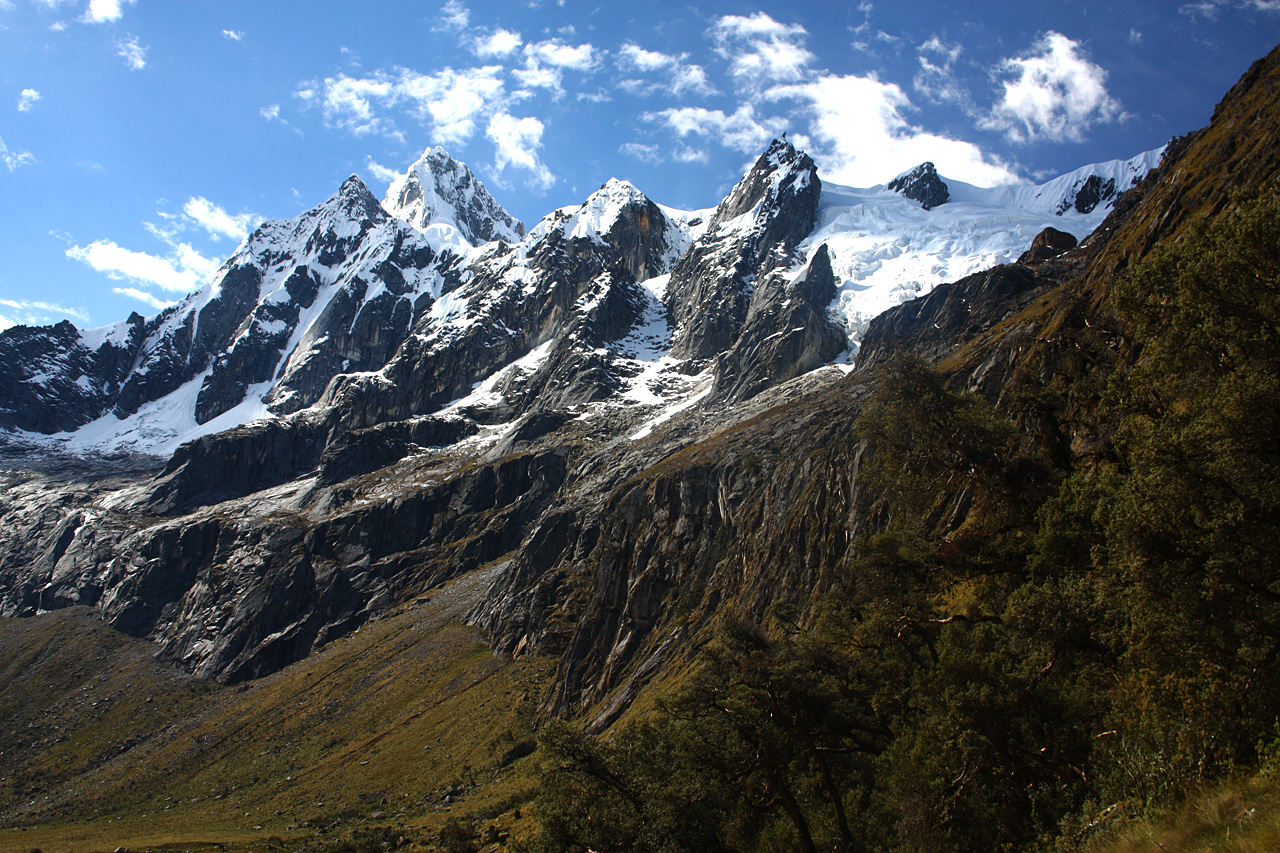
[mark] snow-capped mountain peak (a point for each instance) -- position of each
(596, 216)
(440, 190)
(350, 312)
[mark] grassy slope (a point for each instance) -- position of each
(1236, 817)
(404, 723)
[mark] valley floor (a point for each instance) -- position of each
(404, 724)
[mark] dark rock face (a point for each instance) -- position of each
(239, 593)
(51, 381)
(787, 332)
(922, 184)
(1090, 193)
(1048, 244)
(753, 232)
(365, 450)
(235, 463)
(951, 314)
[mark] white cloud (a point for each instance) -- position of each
(865, 8)
(182, 271)
(761, 50)
(516, 142)
(644, 153)
(936, 80)
(143, 297)
(496, 44)
(105, 11)
(948, 53)
(1212, 8)
(14, 159)
(36, 313)
(27, 99)
(270, 112)
(454, 16)
(741, 130)
(133, 54)
(217, 221)
(633, 56)
(537, 76)
(1056, 94)
(233, 35)
(1135, 36)
(583, 57)
(546, 61)
(681, 77)
(685, 154)
(691, 78)
(864, 138)
(452, 103)
(348, 102)
(379, 171)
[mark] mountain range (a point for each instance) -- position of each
(598, 438)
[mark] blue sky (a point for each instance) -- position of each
(141, 139)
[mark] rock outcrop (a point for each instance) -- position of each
(922, 184)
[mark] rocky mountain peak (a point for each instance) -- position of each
(922, 184)
(438, 189)
(781, 172)
(354, 200)
(753, 233)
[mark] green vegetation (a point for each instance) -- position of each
(1018, 655)
(380, 738)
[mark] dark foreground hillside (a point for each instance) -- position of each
(1012, 584)
(1047, 591)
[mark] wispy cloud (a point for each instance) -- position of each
(681, 76)
(29, 312)
(644, 153)
(937, 80)
(144, 297)
(1055, 93)
(217, 222)
(452, 103)
(1211, 9)
(181, 268)
(14, 159)
(546, 61)
(741, 130)
(455, 105)
(454, 15)
(233, 35)
(133, 54)
(760, 50)
(379, 171)
(27, 99)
